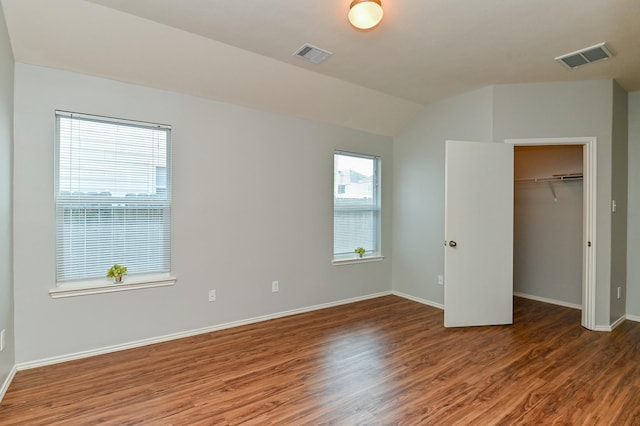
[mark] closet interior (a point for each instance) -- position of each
(548, 223)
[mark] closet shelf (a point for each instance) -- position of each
(552, 178)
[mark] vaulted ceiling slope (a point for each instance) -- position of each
(241, 51)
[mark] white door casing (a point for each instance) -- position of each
(589, 171)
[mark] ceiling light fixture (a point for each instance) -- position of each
(365, 14)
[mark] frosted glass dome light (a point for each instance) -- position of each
(365, 14)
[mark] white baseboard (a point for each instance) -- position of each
(632, 318)
(537, 298)
(610, 328)
(523, 295)
(572, 306)
(7, 382)
(189, 333)
(418, 299)
(551, 301)
(617, 322)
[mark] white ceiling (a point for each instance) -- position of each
(241, 51)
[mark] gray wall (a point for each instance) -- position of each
(252, 203)
(633, 234)
(418, 192)
(547, 252)
(620, 158)
(537, 110)
(6, 263)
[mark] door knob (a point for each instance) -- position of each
(452, 244)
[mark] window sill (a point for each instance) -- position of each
(83, 288)
(352, 260)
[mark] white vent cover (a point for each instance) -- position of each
(312, 54)
(585, 56)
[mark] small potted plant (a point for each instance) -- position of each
(361, 251)
(117, 272)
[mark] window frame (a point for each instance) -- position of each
(92, 284)
(375, 254)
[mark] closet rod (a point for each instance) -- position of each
(551, 178)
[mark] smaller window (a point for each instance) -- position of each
(356, 204)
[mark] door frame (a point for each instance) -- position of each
(589, 204)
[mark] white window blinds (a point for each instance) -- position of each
(356, 203)
(112, 195)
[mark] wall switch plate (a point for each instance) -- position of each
(440, 280)
(275, 286)
(2, 340)
(613, 206)
(212, 295)
(619, 292)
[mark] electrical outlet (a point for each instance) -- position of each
(440, 280)
(2, 340)
(619, 292)
(275, 286)
(212, 295)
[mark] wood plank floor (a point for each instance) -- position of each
(385, 361)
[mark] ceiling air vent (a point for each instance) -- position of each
(585, 56)
(312, 54)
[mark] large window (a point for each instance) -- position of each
(112, 195)
(356, 204)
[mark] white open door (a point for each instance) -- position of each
(478, 259)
